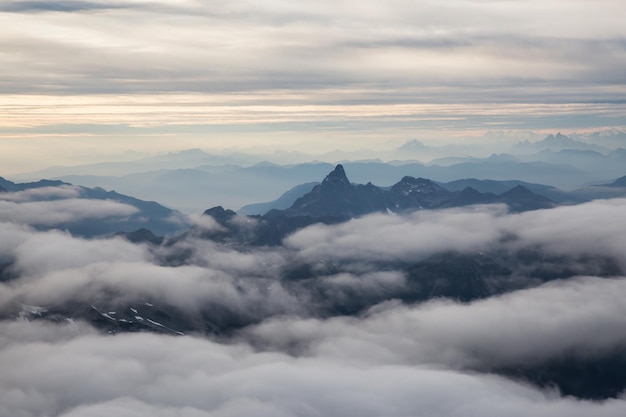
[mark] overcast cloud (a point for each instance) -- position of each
(341, 74)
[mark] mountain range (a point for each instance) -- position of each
(40, 197)
(336, 200)
(192, 180)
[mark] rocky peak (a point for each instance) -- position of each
(408, 185)
(220, 214)
(336, 179)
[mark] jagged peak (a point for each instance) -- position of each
(337, 177)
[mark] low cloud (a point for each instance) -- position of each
(148, 375)
(42, 193)
(591, 228)
(382, 237)
(294, 357)
(583, 316)
(58, 212)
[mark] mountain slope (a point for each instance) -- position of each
(285, 201)
(78, 208)
(337, 197)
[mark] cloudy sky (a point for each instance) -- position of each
(101, 77)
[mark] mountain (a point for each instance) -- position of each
(610, 138)
(336, 200)
(472, 184)
(499, 187)
(12, 186)
(194, 189)
(556, 143)
(142, 235)
(189, 158)
(613, 189)
(286, 200)
(414, 145)
(620, 182)
(521, 198)
(147, 214)
(609, 165)
(464, 277)
(337, 197)
(418, 193)
(619, 153)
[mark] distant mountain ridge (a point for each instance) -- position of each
(283, 202)
(559, 142)
(337, 197)
(620, 182)
(336, 200)
(186, 180)
(150, 215)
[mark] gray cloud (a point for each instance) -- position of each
(386, 47)
(42, 253)
(390, 360)
(583, 316)
(142, 374)
(57, 267)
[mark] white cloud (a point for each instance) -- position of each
(42, 193)
(392, 360)
(145, 375)
(583, 316)
(57, 212)
(590, 228)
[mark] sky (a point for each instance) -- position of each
(82, 80)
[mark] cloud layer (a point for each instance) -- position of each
(288, 359)
(142, 374)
